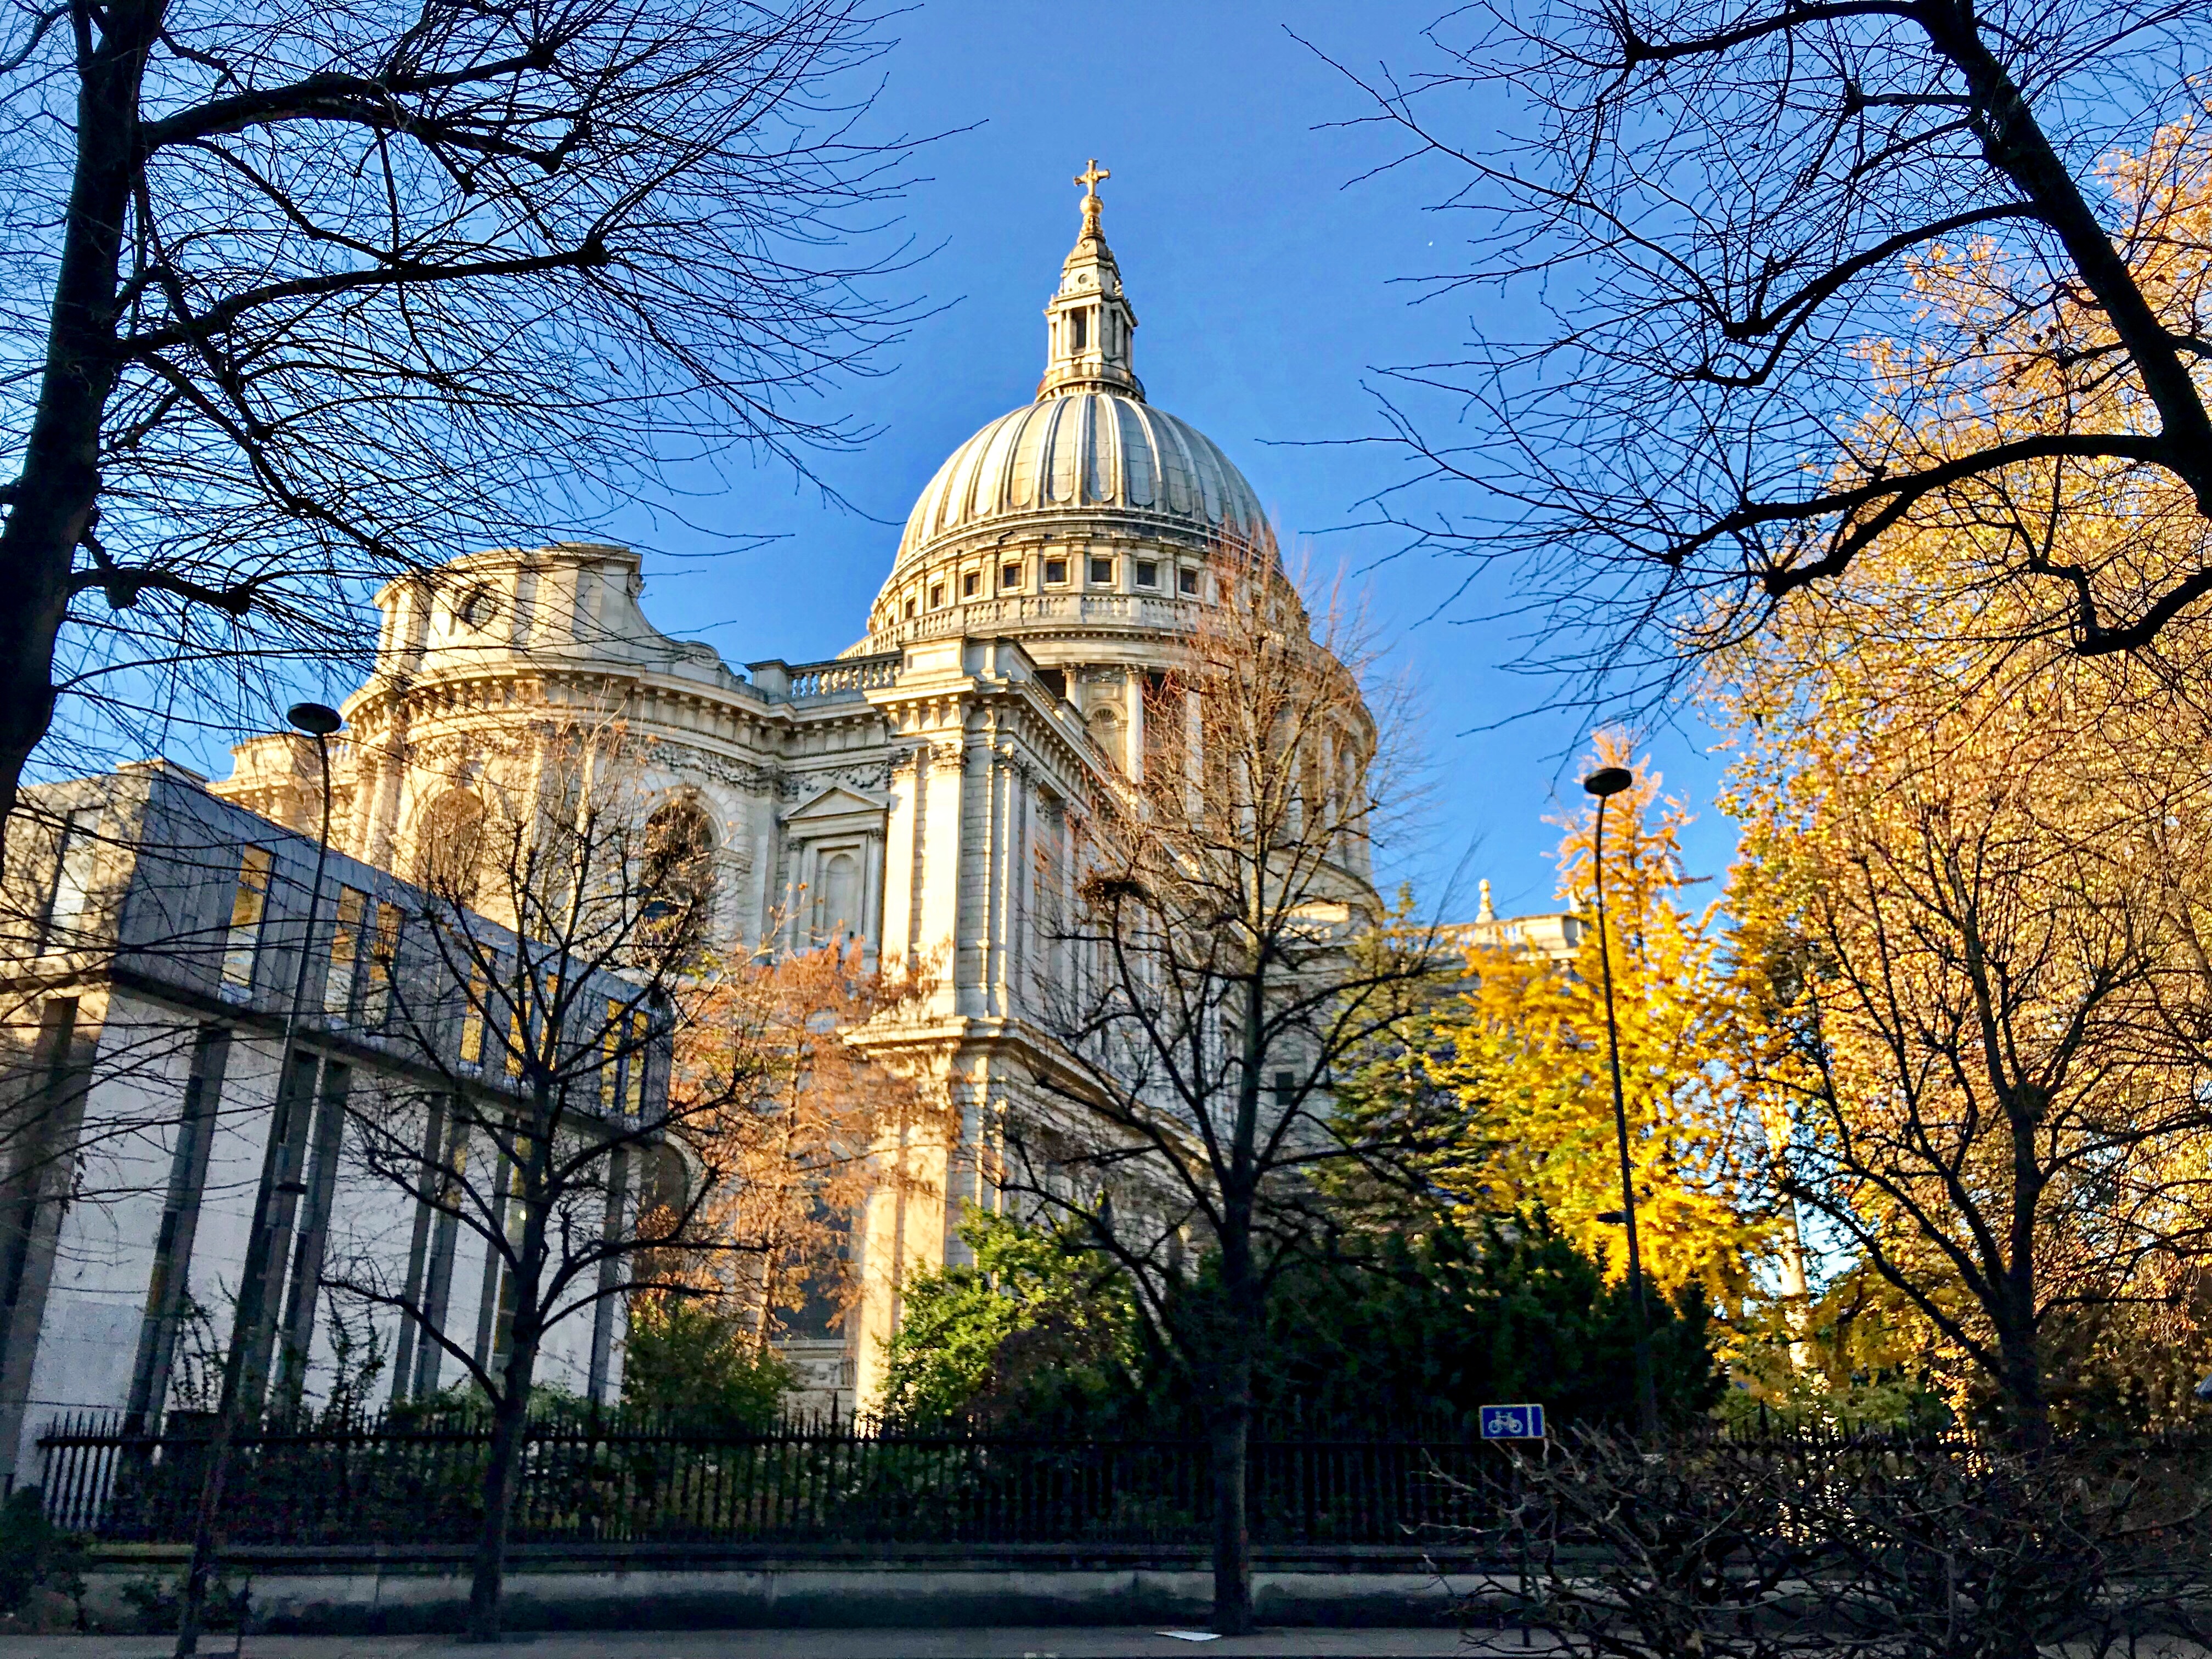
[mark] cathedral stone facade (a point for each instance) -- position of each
(927, 791)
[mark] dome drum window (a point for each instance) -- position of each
(1055, 573)
(475, 609)
(936, 595)
(1010, 578)
(971, 583)
(1187, 582)
(1148, 573)
(1102, 573)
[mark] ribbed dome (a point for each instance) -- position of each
(1080, 452)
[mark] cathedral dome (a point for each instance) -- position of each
(1085, 452)
(1085, 522)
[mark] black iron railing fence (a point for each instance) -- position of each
(616, 1478)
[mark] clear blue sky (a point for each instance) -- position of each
(1263, 288)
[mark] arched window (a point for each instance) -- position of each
(449, 846)
(667, 1186)
(678, 876)
(836, 898)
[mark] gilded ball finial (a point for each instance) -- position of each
(1089, 179)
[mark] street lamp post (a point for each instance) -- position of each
(1605, 783)
(252, 1311)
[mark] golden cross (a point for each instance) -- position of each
(1090, 176)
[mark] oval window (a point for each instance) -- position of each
(476, 609)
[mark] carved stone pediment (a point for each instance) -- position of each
(837, 807)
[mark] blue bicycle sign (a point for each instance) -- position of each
(1512, 1422)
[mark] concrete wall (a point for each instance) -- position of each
(138, 1086)
(100, 1294)
(615, 1588)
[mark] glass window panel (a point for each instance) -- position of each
(634, 1069)
(249, 905)
(383, 965)
(346, 951)
(73, 875)
(611, 1037)
(472, 1023)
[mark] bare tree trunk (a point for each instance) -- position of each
(2019, 1352)
(1229, 1427)
(511, 1412)
(1229, 1436)
(53, 501)
(510, 1418)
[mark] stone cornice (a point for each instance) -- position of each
(958, 1036)
(652, 704)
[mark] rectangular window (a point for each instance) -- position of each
(1010, 578)
(518, 1043)
(1102, 573)
(936, 595)
(909, 609)
(472, 1022)
(611, 1037)
(1187, 582)
(73, 871)
(248, 906)
(1148, 573)
(634, 1071)
(345, 952)
(383, 967)
(1056, 571)
(1082, 320)
(970, 583)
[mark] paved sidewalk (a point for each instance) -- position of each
(1036, 1642)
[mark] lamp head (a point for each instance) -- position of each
(1608, 781)
(312, 718)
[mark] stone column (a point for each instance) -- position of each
(902, 849)
(998, 907)
(763, 793)
(944, 931)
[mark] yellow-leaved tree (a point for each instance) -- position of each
(1520, 1043)
(1976, 881)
